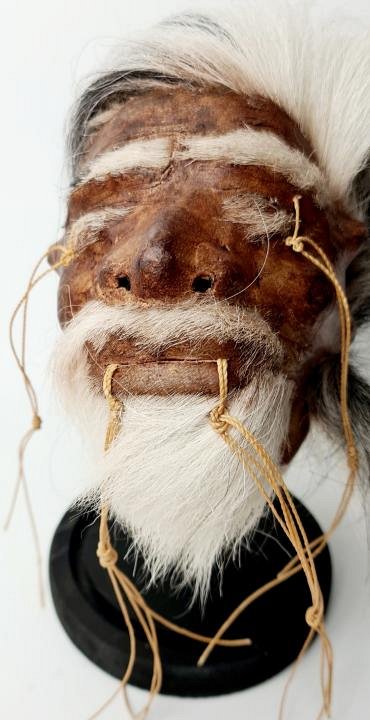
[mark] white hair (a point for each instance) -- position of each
(154, 153)
(262, 218)
(163, 326)
(239, 147)
(168, 478)
(259, 147)
(317, 71)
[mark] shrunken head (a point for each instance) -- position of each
(184, 179)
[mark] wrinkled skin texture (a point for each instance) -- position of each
(176, 232)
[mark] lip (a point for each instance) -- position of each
(182, 369)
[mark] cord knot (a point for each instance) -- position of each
(36, 422)
(107, 555)
(352, 458)
(217, 422)
(217, 415)
(314, 617)
(296, 243)
(61, 255)
(67, 255)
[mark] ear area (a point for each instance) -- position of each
(53, 256)
(358, 286)
(360, 193)
(347, 232)
(358, 271)
(350, 219)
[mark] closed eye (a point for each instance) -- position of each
(261, 216)
(88, 228)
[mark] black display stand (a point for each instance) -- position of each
(88, 611)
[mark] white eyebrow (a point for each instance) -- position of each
(258, 147)
(245, 146)
(260, 215)
(153, 153)
(85, 230)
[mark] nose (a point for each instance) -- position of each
(167, 257)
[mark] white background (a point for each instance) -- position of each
(47, 47)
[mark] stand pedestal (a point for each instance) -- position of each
(88, 611)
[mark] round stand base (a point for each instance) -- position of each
(87, 608)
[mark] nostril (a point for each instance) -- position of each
(123, 281)
(202, 283)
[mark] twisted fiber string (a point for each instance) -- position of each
(290, 523)
(124, 590)
(220, 420)
(67, 254)
(269, 466)
(297, 243)
(115, 407)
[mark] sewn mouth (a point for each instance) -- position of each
(182, 369)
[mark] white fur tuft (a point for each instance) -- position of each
(169, 479)
(318, 71)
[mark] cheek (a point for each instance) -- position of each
(290, 295)
(77, 283)
(76, 288)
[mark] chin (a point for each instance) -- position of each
(168, 479)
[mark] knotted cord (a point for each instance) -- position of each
(67, 254)
(261, 468)
(124, 589)
(305, 552)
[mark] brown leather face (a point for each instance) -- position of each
(176, 243)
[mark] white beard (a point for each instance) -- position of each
(169, 478)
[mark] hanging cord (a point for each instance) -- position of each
(262, 470)
(297, 242)
(126, 593)
(67, 254)
(305, 552)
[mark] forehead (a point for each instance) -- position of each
(182, 141)
(176, 111)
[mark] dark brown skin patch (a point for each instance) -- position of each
(176, 232)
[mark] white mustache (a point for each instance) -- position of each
(158, 328)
